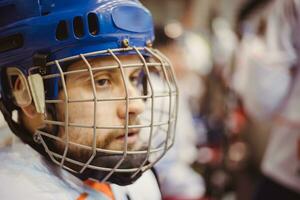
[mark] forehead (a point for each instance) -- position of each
(105, 61)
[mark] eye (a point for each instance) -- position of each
(134, 79)
(103, 82)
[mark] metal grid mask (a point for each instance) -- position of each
(137, 141)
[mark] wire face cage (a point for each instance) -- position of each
(114, 112)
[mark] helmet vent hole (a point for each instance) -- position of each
(45, 13)
(11, 43)
(78, 27)
(62, 30)
(93, 23)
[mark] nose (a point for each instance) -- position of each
(135, 107)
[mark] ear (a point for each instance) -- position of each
(30, 111)
(21, 92)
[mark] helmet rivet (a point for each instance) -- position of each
(149, 43)
(37, 138)
(125, 43)
(43, 70)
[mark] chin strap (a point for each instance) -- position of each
(118, 178)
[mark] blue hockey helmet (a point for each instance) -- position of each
(59, 29)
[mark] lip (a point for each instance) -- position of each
(132, 136)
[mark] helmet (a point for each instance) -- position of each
(41, 39)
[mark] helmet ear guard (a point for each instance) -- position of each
(27, 90)
(36, 84)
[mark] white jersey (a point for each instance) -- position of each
(282, 158)
(24, 174)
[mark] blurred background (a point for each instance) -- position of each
(236, 65)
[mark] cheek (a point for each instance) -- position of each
(107, 114)
(82, 113)
(84, 136)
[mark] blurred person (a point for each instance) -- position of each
(267, 78)
(224, 43)
(77, 90)
(177, 178)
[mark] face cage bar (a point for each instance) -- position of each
(166, 66)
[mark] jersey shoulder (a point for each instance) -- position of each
(24, 176)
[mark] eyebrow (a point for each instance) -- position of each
(96, 69)
(83, 67)
(80, 75)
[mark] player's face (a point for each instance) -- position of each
(109, 83)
